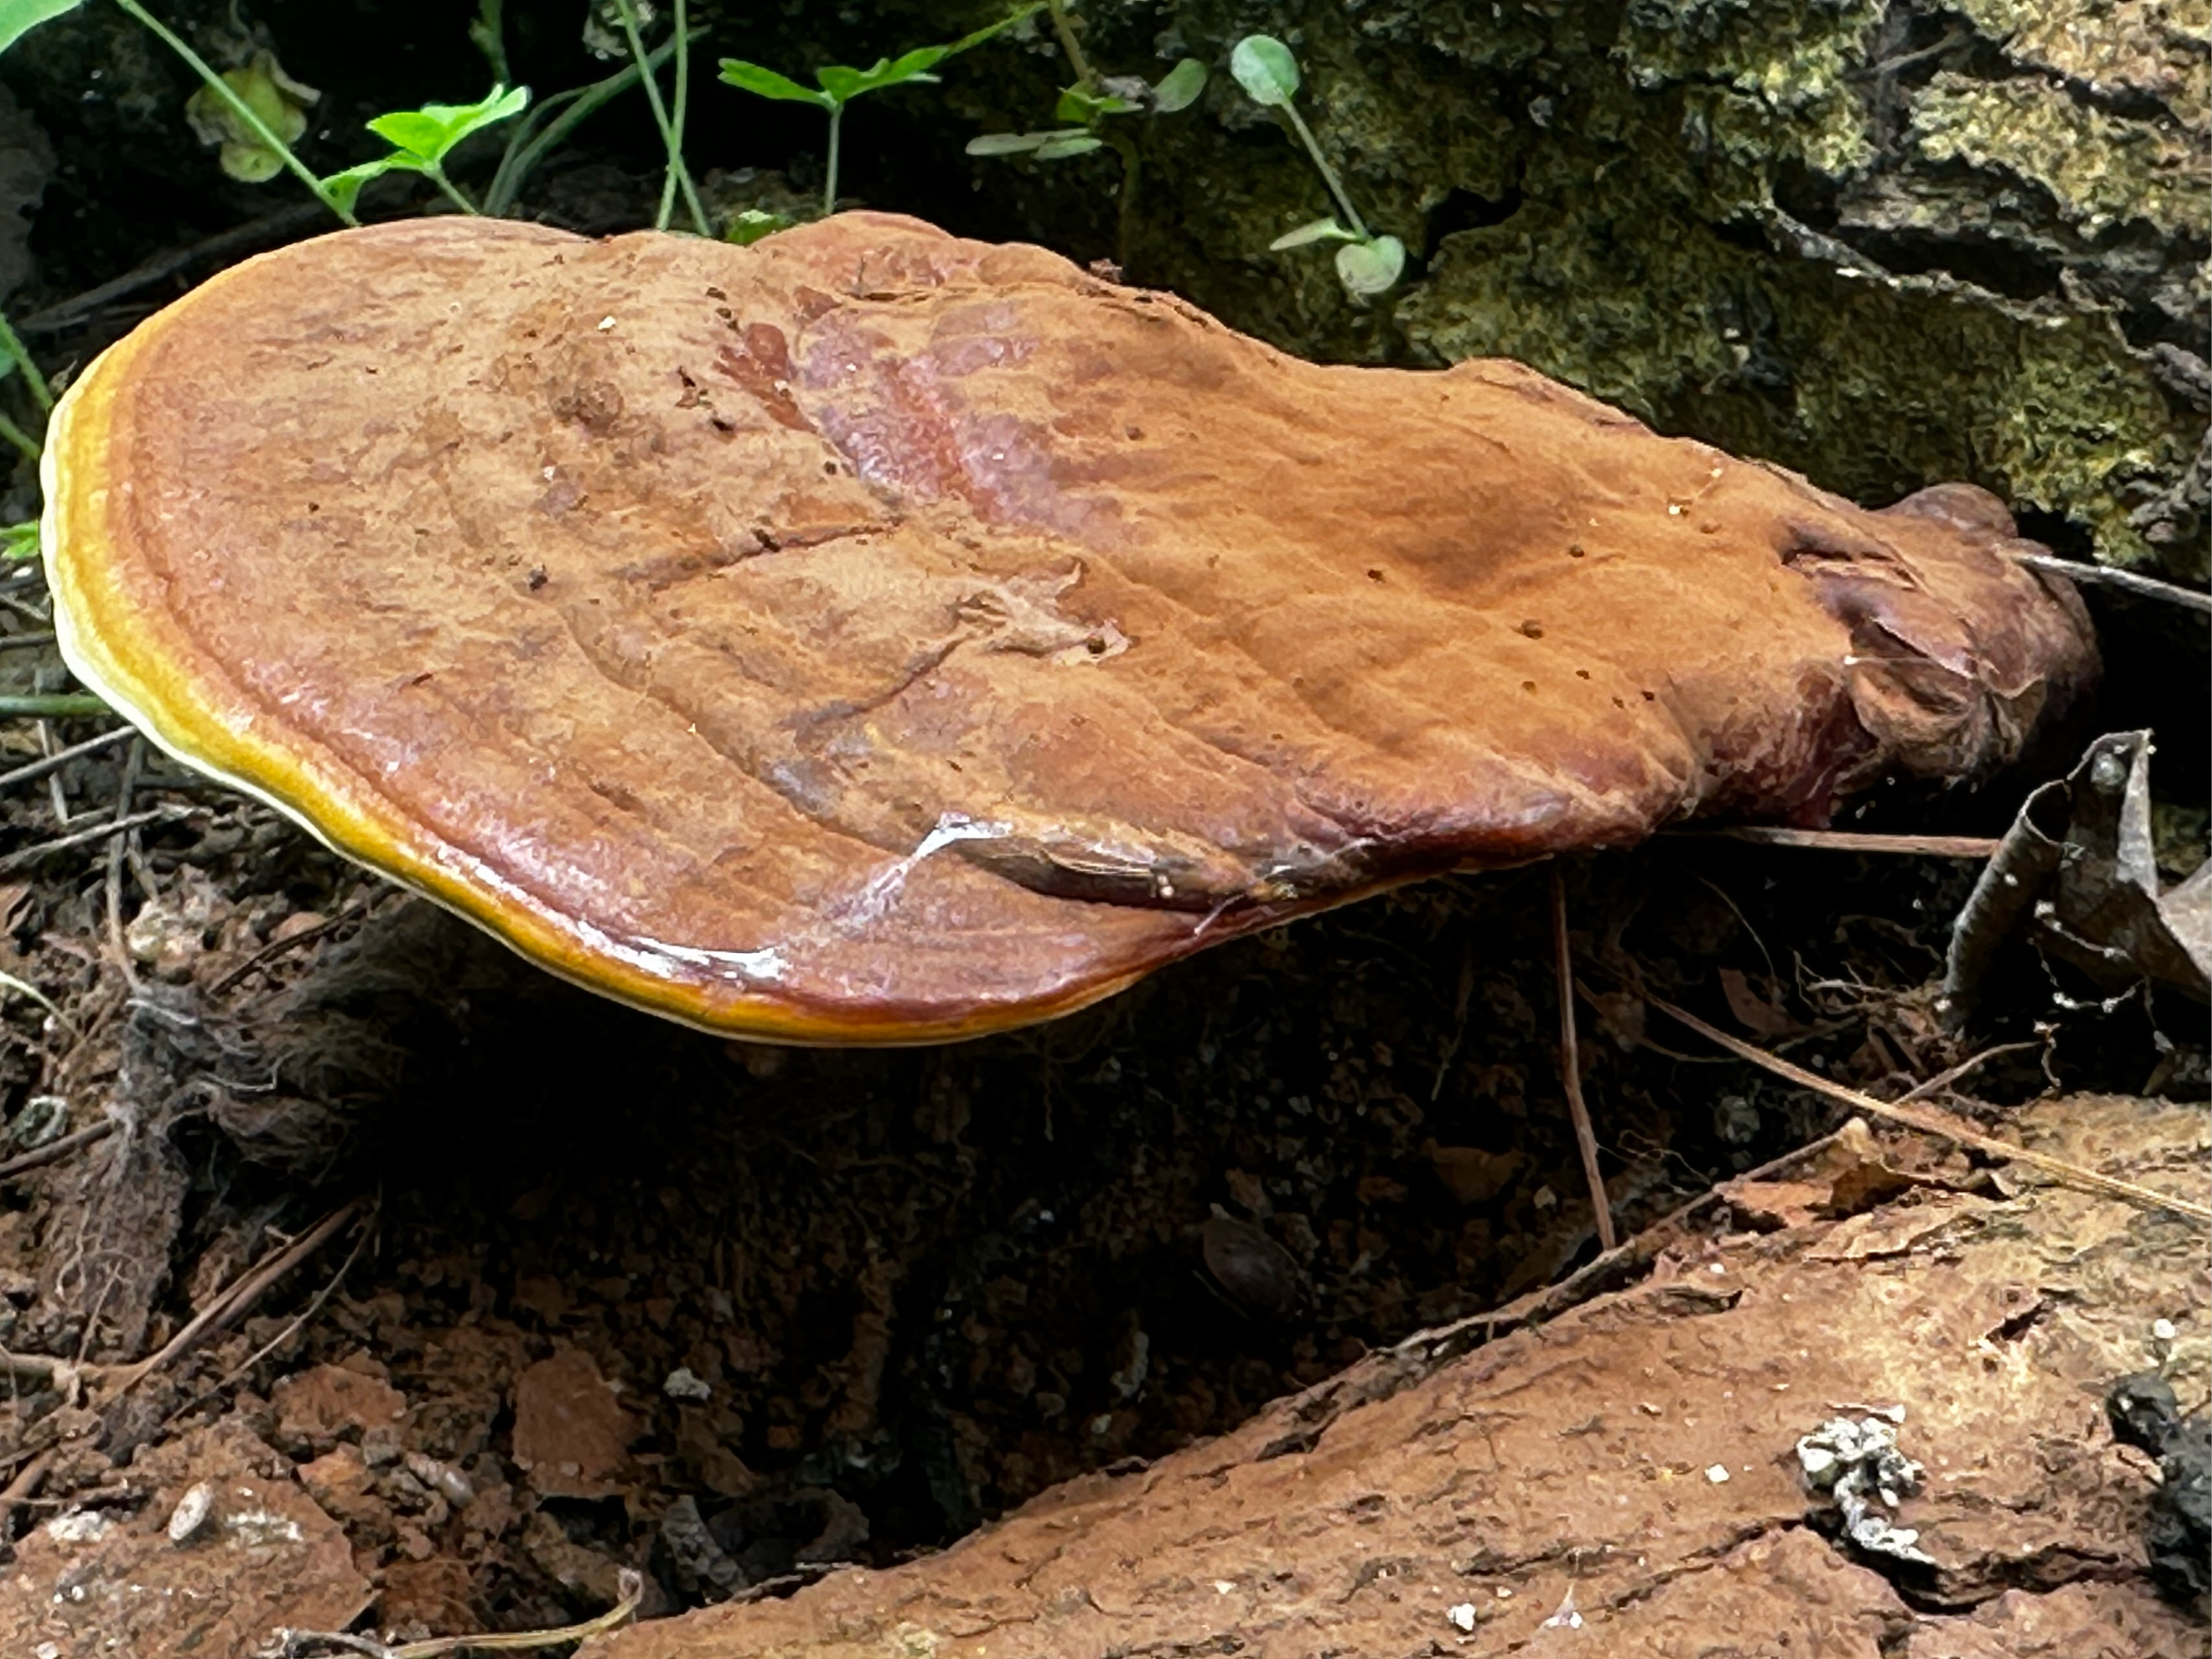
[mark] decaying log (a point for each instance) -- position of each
(1625, 1480)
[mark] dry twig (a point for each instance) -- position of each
(313, 1307)
(55, 1150)
(1854, 841)
(275, 948)
(1945, 1079)
(165, 267)
(2148, 587)
(303, 1643)
(24, 1487)
(118, 944)
(1571, 1064)
(38, 769)
(56, 794)
(242, 1294)
(30, 855)
(44, 1368)
(1932, 1123)
(1460, 998)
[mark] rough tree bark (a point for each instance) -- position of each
(1623, 1479)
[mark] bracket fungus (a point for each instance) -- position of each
(875, 636)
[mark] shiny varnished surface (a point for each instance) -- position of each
(870, 636)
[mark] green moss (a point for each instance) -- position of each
(1874, 386)
(2100, 170)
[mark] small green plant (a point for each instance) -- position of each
(280, 101)
(839, 85)
(1091, 103)
(549, 120)
(421, 140)
(250, 121)
(15, 359)
(1085, 107)
(749, 225)
(1367, 264)
(19, 542)
(253, 128)
(255, 113)
(487, 34)
(669, 117)
(16, 17)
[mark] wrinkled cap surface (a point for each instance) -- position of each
(870, 636)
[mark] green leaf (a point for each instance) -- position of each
(1368, 268)
(19, 542)
(767, 84)
(344, 188)
(843, 84)
(1009, 143)
(417, 131)
(1045, 146)
(1060, 145)
(749, 225)
(977, 37)
(1318, 230)
(1266, 69)
(428, 134)
(278, 103)
(1179, 88)
(1089, 108)
(17, 17)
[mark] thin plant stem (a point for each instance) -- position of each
(238, 106)
(677, 104)
(1071, 44)
(60, 705)
(830, 187)
(437, 176)
(678, 173)
(522, 138)
(489, 34)
(12, 343)
(529, 144)
(22, 439)
(1125, 217)
(671, 136)
(1570, 1065)
(1328, 173)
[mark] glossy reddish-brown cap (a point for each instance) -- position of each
(873, 636)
